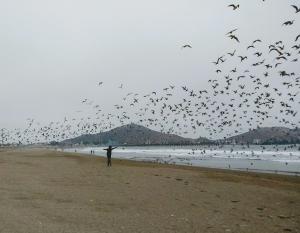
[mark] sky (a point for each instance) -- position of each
(54, 53)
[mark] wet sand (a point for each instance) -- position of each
(46, 191)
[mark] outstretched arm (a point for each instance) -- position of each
(105, 149)
(114, 148)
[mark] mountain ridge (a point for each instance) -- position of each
(268, 135)
(133, 134)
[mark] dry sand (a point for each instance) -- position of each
(46, 191)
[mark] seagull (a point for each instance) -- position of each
(232, 31)
(258, 40)
(186, 46)
(242, 58)
(232, 54)
(233, 37)
(258, 54)
(100, 83)
(296, 8)
(287, 23)
(234, 7)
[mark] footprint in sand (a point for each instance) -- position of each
(178, 179)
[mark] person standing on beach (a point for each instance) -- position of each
(108, 154)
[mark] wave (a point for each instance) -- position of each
(239, 158)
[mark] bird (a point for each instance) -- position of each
(277, 50)
(186, 46)
(258, 54)
(234, 7)
(243, 58)
(277, 64)
(296, 8)
(233, 37)
(297, 37)
(232, 31)
(258, 40)
(268, 66)
(100, 83)
(232, 54)
(288, 23)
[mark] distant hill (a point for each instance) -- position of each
(133, 134)
(268, 135)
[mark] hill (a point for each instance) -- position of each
(133, 134)
(268, 135)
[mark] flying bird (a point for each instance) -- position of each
(232, 31)
(288, 23)
(232, 54)
(296, 8)
(242, 58)
(258, 40)
(186, 46)
(234, 7)
(233, 37)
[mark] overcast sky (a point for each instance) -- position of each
(53, 53)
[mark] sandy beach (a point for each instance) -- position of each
(47, 191)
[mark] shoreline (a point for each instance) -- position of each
(217, 171)
(241, 173)
(201, 162)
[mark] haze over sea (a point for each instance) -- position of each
(284, 159)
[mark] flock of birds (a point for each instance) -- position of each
(259, 86)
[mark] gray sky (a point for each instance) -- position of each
(53, 53)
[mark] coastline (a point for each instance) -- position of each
(256, 161)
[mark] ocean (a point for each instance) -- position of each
(281, 159)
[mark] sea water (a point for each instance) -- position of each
(284, 159)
